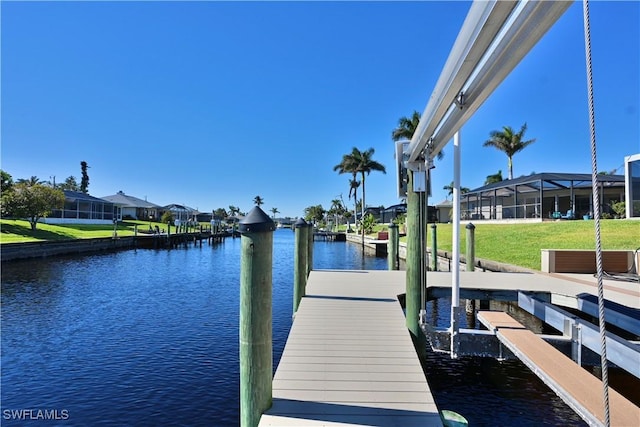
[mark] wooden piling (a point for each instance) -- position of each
(415, 235)
(393, 244)
(434, 248)
(471, 250)
(300, 261)
(256, 345)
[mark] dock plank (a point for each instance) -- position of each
(349, 359)
(577, 387)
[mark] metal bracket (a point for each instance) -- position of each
(459, 101)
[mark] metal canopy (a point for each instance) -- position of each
(494, 38)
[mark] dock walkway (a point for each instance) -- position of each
(349, 359)
(581, 390)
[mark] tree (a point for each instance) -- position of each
(360, 162)
(70, 184)
(258, 201)
(167, 217)
(493, 178)
(407, 127)
(314, 213)
(233, 210)
(84, 182)
(6, 182)
(450, 189)
(509, 142)
(32, 201)
(274, 211)
(220, 213)
(31, 181)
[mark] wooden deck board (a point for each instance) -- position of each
(560, 372)
(349, 359)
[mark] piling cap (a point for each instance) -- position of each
(256, 221)
(393, 225)
(300, 223)
(470, 226)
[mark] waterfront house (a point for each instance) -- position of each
(181, 213)
(541, 196)
(81, 208)
(130, 207)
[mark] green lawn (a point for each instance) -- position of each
(20, 231)
(520, 244)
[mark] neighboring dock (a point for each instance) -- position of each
(349, 358)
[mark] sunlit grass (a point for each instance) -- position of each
(521, 244)
(20, 231)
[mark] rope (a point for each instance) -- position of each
(596, 204)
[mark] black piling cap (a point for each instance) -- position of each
(300, 223)
(470, 226)
(256, 221)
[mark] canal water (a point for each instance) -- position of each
(150, 337)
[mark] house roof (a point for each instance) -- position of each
(72, 196)
(446, 203)
(547, 181)
(176, 207)
(122, 199)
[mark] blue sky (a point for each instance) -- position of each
(209, 104)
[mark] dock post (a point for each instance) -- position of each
(300, 261)
(256, 345)
(309, 249)
(471, 250)
(434, 247)
(415, 234)
(392, 247)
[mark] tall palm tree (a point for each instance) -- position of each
(353, 188)
(258, 201)
(407, 127)
(509, 142)
(360, 162)
(274, 211)
(494, 178)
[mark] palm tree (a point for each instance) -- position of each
(29, 182)
(360, 162)
(493, 178)
(508, 142)
(274, 211)
(407, 127)
(450, 189)
(353, 188)
(258, 201)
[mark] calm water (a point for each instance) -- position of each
(151, 338)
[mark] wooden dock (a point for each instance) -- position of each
(577, 387)
(349, 359)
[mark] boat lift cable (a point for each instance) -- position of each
(596, 203)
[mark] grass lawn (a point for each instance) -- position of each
(520, 244)
(20, 231)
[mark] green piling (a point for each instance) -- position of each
(415, 234)
(392, 247)
(301, 253)
(471, 247)
(434, 248)
(309, 249)
(256, 346)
